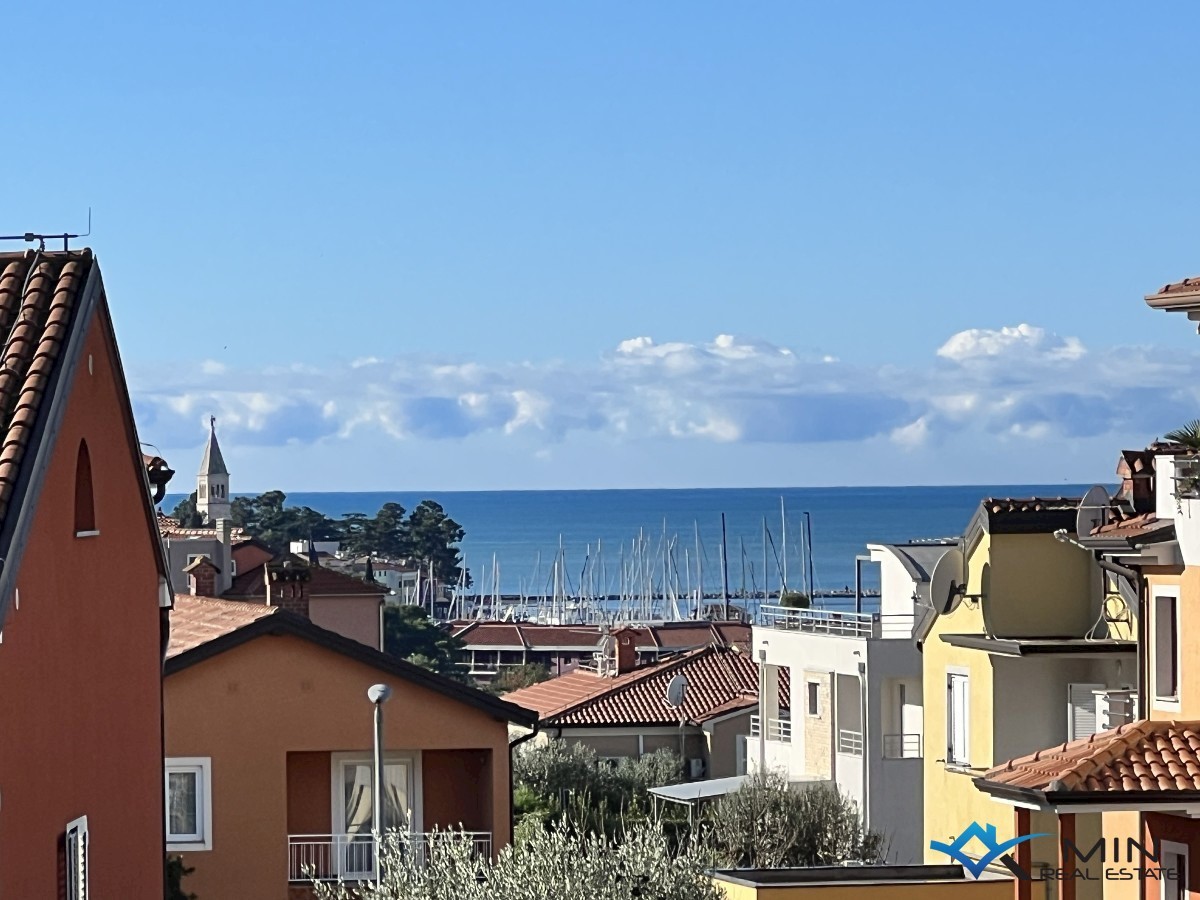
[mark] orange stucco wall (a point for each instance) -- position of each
(354, 617)
(80, 665)
(270, 712)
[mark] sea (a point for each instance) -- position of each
(513, 537)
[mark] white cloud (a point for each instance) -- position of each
(1017, 383)
(1018, 340)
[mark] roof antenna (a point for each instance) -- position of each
(30, 236)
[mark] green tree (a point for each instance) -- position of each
(269, 519)
(410, 634)
(186, 513)
(768, 824)
(434, 537)
(565, 862)
(513, 678)
(175, 871)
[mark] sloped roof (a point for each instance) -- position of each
(47, 300)
(203, 627)
(198, 620)
(1126, 527)
(324, 582)
(1138, 758)
(715, 675)
(212, 462)
(666, 636)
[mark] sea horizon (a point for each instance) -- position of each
(512, 537)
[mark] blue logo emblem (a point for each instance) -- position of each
(995, 849)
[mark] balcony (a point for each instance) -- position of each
(835, 623)
(902, 746)
(328, 857)
(777, 729)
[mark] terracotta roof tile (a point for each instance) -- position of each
(198, 620)
(38, 294)
(1139, 757)
(716, 677)
(1125, 526)
(323, 582)
(1187, 286)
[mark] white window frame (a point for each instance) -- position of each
(1181, 850)
(76, 869)
(952, 760)
(1172, 702)
(809, 684)
(202, 766)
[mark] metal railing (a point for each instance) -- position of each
(836, 623)
(902, 746)
(328, 857)
(850, 742)
(777, 729)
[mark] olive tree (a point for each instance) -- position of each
(561, 862)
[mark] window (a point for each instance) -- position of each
(85, 506)
(958, 708)
(1166, 647)
(814, 698)
(232, 568)
(1083, 717)
(189, 803)
(353, 797)
(75, 852)
(202, 490)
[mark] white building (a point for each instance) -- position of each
(841, 697)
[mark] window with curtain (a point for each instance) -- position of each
(188, 801)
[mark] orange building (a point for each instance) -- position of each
(83, 597)
(270, 739)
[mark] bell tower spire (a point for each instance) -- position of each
(212, 484)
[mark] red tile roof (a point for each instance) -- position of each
(1030, 504)
(198, 620)
(322, 583)
(668, 636)
(1139, 757)
(1126, 527)
(717, 677)
(38, 296)
(1187, 286)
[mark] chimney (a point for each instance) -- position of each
(627, 657)
(202, 577)
(287, 584)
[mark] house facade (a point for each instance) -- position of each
(620, 708)
(256, 810)
(854, 679)
(81, 777)
(1018, 654)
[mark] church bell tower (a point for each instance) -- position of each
(212, 484)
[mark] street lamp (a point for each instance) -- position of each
(378, 695)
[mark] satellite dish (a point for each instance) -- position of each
(676, 691)
(1093, 510)
(948, 584)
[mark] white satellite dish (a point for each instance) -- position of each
(1093, 510)
(605, 646)
(948, 584)
(676, 691)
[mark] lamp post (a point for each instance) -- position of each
(378, 695)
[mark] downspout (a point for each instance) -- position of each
(512, 813)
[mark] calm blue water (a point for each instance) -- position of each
(516, 525)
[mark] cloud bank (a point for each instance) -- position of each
(1015, 383)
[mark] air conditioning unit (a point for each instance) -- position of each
(696, 767)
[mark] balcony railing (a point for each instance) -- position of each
(850, 742)
(902, 746)
(777, 729)
(328, 857)
(833, 622)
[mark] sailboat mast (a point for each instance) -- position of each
(783, 534)
(812, 582)
(724, 571)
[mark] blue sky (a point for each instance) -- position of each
(622, 245)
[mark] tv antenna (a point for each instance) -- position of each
(30, 236)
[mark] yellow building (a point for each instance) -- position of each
(1025, 647)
